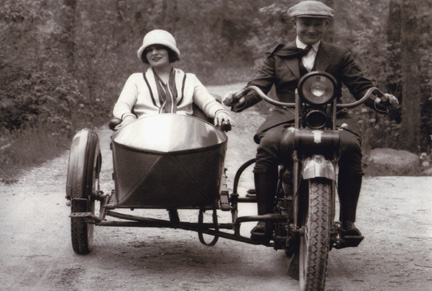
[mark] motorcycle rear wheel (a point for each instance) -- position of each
(315, 241)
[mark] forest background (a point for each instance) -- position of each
(63, 63)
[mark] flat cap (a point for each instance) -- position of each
(314, 9)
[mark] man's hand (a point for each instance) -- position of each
(387, 99)
(233, 100)
(385, 102)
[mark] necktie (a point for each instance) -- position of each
(308, 58)
(306, 51)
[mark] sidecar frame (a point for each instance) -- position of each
(228, 202)
(107, 209)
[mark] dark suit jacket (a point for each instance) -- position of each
(283, 71)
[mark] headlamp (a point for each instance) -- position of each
(317, 88)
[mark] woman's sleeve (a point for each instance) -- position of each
(204, 100)
(127, 99)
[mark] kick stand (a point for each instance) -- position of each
(294, 266)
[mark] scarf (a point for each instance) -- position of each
(167, 93)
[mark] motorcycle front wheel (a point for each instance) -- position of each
(315, 240)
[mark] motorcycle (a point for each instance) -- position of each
(180, 165)
(307, 189)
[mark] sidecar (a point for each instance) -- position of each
(165, 161)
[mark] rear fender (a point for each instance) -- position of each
(317, 166)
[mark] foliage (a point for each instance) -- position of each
(64, 62)
(36, 86)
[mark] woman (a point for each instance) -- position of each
(163, 88)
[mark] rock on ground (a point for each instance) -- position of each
(389, 162)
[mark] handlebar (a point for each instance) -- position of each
(362, 100)
(263, 96)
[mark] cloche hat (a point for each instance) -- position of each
(161, 37)
(313, 9)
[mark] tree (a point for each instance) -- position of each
(411, 78)
(69, 27)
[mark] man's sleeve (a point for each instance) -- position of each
(353, 78)
(264, 80)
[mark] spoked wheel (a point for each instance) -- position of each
(315, 242)
(82, 181)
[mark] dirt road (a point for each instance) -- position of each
(395, 215)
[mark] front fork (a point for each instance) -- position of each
(315, 166)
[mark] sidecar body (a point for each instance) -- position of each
(168, 161)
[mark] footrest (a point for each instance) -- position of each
(350, 241)
(88, 216)
(224, 201)
(251, 193)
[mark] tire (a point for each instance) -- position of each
(315, 242)
(83, 175)
(82, 232)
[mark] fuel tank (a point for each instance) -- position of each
(168, 161)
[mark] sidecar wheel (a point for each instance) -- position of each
(315, 242)
(82, 232)
(82, 181)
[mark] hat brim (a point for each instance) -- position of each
(143, 47)
(312, 16)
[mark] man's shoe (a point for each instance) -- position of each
(350, 235)
(349, 229)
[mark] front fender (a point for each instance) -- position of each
(318, 167)
(84, 151)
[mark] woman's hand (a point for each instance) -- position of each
(128, 119)
(223, 120)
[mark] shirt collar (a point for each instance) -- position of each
(302, 45)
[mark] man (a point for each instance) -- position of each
(283, 67)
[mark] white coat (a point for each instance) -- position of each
(140, 96)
